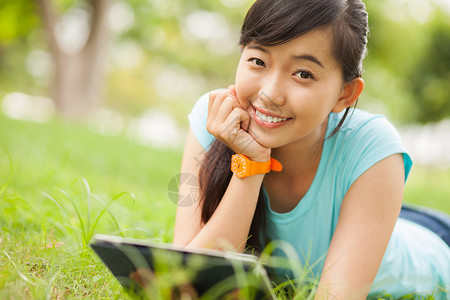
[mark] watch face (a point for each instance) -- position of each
(239, 165)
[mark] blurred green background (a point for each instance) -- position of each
(162, 54)
(135, 68)
(94, 99)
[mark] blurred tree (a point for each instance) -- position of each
(13, 22)
(174, 51)
(76, 39)
(79, 61)
(17, 22)
(408, 63)
(164, 53)
(431, 77)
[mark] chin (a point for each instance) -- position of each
(266, 141)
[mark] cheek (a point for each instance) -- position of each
(244, 87)
(243, 95)
(327, 94)
(313, 103)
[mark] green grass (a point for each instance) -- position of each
(60, 183)
(429, 187)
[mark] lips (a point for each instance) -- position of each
(268, 119)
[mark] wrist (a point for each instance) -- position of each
(242, 166)
(262, 157)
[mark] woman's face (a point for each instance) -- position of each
(290, 89)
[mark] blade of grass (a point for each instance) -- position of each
(70, 225)
(21, 275)
(105, 209)
(88, 197)
(11, 165)
(15, 199)
(113, 218)
(83, 229)
(2, 190)
(57, 204)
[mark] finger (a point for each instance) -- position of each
(220, 112)
(232, 124)
(226, 108)
(231, 129)
(217, 98)
(212, 96)
(245, 124)
(215, 101)
(239, 140)
(212, 104)
(232, 89)
(245, 120)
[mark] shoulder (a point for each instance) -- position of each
(360, 122)
(363, 140)
(364, 129)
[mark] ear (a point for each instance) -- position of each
(350, 94)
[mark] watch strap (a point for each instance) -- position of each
(275, 165)
(257, 167)
(262, 167)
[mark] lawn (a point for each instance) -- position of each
(60, 183)
(50, 171)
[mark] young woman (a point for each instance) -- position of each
(312, 172)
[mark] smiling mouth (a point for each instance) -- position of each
(268, 117)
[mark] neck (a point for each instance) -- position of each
(302, 156)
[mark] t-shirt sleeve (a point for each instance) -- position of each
(371, 142)
(197, 121)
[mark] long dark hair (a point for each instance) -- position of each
(274, 22)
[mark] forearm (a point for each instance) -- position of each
(230, 223)
(366, 220)
(341, 290)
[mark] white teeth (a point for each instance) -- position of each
(269, 119)
(264, 117)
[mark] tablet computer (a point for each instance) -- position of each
(143, 267)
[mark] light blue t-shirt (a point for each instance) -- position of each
(416, 259)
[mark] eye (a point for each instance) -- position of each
(257, 62)
(304, 75)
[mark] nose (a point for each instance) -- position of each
(273, 92)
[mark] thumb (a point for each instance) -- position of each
(245, 124)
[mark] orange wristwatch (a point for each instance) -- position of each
(242, 166)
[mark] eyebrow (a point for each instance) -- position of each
(311, 58)
(258, 48)
(308, 57)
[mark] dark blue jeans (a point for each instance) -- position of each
(434, 220)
